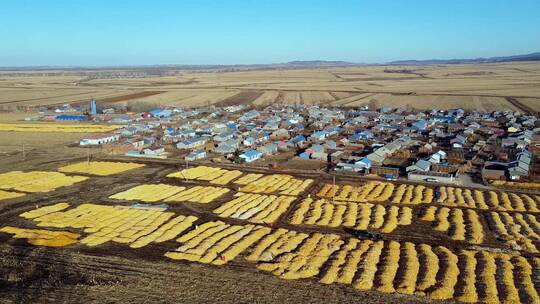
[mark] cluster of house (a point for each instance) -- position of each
(420, 145)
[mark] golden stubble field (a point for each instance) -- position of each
(469, 86)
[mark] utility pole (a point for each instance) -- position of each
(23, 153)
(334, 189)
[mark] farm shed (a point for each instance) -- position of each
(71, 117)
(435, 176)
(99, 139)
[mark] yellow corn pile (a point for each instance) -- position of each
(129, 225)
(276, 183)
(199, 194)
(248, 178)
(256, 208)
(170, 193)
(216, 242)
(375, 191)
(461, 225)
(5, 195)
(44, 210)
(375, 265)
(306, 260)
(349, 214)
(40, 237)
(493, 200)
(101, 168)
(519, 230)
(213, 175)
(37, 181)
(516, 185)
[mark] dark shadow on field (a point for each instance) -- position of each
(31, 274)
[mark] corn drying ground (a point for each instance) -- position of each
(256, 208)
(252, 182)
(474, 245)
(213, 175)
(360, 216)
(385, 266)
(276, 183)
(37, 181)
(170, 194)
(41, 237)
(101, 168)
(135, 226)
(457, 212)
(418, 194)
(4, 195)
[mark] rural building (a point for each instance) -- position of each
(99, 139)
(251, 155)
(71, 117)
(268, 149)
(224, 136)
(319, 135)
(421, 165)
(192, 143)
(433, 177)
(195, 155)
(364, 163)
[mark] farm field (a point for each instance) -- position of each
(63, 128)
(470, 86)
(245, 227)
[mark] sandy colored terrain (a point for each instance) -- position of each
(470, 86)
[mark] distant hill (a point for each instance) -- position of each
(526, 57)
(296, 64)
(320, 63)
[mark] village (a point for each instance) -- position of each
(453, 146)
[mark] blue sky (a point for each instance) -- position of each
(124, 32)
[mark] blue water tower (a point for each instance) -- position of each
(93, 107)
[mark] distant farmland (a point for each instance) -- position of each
(504, 86)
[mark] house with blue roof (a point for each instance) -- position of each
(251, 155)
(364, 163)
(362, 135)
(297, 141)
(161, 113)
(319, 135)
(421, 124)
(71, 117)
